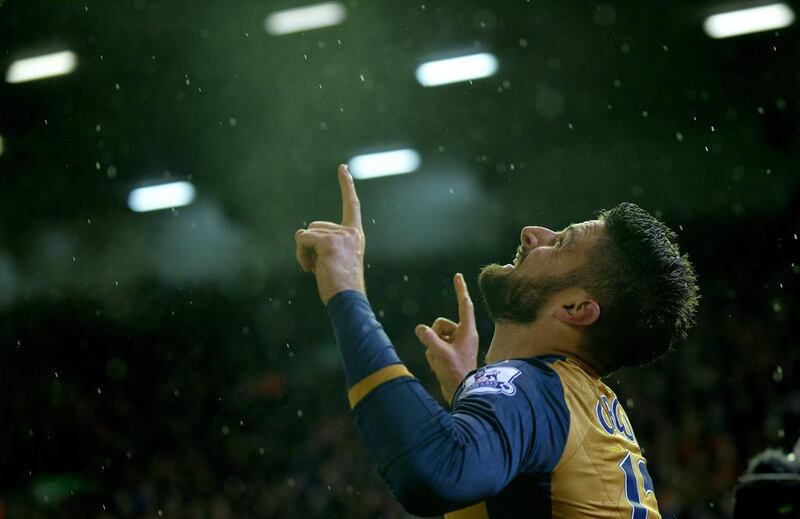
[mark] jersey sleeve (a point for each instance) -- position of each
(506, 419)
(526, 400)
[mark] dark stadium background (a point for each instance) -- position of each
(178, 363)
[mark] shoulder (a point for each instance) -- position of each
(530, 375)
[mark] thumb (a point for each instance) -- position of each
(428, 337)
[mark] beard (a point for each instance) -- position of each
(511, 297)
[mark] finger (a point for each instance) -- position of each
(351, 206)
(466, 310)
(305, 256)
(443, 326)
(309, 244)
(428, 337)
(324, 225)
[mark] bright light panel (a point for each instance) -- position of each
(395, 162)
(454, 70)
(164, 196)
(40, 67)
(746, 21)
(305, 18)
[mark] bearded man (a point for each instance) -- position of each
(535, 431)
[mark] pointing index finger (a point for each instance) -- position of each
(466, 313)
(351, 206)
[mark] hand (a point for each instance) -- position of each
(335, 252)
(452, 349)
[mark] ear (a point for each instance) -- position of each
(583, 313)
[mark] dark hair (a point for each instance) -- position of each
(646, 289)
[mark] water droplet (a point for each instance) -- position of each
(679, 136)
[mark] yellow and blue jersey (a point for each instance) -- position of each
(595, 467)
(534, 437)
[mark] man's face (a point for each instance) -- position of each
(546, 263)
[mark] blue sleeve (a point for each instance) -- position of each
(507, 419)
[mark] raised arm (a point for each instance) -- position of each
(434, 461)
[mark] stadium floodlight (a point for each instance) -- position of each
(750, 20)
(40, 67)
(162, 196)
(394, 162)
(305, 18)
(454, 70)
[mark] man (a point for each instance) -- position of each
(535, 432)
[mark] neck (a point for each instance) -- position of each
(513, 340)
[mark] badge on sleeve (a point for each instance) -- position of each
(491, 379)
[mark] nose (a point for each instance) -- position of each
(533, 236)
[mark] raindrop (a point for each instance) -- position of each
(97, 166)
(523, 43)
(116, 86)
(299, 413)
(679, 136)
(777, 375)
(362, 77)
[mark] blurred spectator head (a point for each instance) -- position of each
(770, 488)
